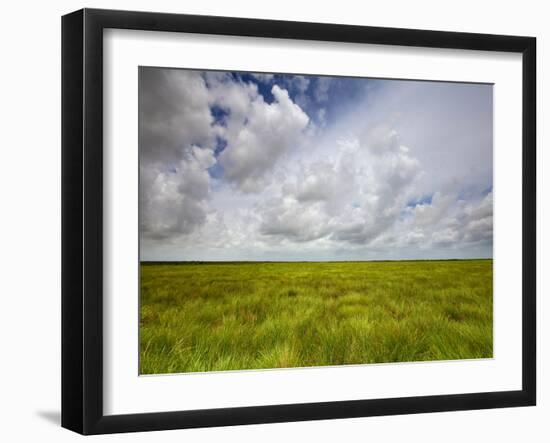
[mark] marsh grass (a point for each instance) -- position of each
(228, 316)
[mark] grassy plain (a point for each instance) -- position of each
(226, 316)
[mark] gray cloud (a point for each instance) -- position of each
(175, 147)
(173, 201)
(173, 113)
(291, 221)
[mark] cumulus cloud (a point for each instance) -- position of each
(429, 214)
(175, 147)
(290, 221)
(450, 222)
(173, 113)
(351, 197)
(479, 221)
(267, 132)
(178, 137)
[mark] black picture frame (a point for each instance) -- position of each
(82, 221)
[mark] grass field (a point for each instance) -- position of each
(224, 316)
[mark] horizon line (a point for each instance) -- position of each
(316, 261)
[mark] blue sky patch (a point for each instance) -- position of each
(221, 144)
(264, 88)
(425, 200)
(216, 171)
(219, 115)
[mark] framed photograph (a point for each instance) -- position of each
(269, 221)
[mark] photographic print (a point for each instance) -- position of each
(292, 221)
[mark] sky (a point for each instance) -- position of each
(281, 167)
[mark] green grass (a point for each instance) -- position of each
(226, 316)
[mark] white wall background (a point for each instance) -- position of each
(30, 220)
